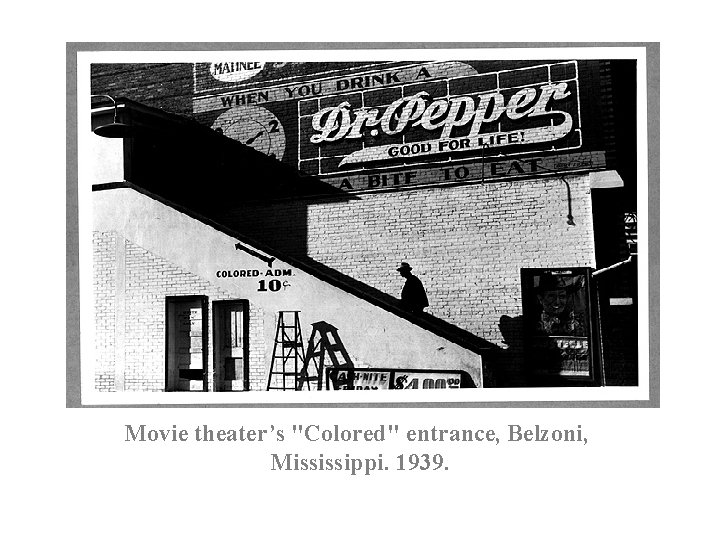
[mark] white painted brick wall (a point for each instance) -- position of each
(149, 279)
(104, 288)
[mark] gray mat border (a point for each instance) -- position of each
(72, 307)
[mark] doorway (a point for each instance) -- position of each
(231, 345)
(186, 351)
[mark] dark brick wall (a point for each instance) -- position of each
(168, 87)
(606, 94)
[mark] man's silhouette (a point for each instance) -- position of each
(413, 297)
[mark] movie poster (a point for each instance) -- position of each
(557, 308)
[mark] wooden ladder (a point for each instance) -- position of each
(288, 352)
(324, 348)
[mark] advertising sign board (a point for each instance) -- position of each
(395, 379)
(341, 128)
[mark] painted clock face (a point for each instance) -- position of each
(255, 127)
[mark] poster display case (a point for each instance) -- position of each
(560, 326)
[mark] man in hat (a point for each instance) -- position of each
(557, 315)
(413, 297)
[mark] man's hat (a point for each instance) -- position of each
(550, 282)
(404, 266)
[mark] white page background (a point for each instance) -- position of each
(69, 472)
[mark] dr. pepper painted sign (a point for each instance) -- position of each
(378, 119)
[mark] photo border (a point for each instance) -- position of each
(73, 360)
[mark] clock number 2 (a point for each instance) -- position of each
(274, 125)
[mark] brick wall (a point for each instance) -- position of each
(138, 362)
(171, 87)
(165, 86)
(466, 243)
(104, 289)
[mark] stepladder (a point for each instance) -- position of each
(325, 349)
(288, 354)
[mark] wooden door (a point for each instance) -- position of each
(230, 345)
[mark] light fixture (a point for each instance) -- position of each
(115, 130)
(570, 217)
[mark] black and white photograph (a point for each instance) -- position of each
(284, 225)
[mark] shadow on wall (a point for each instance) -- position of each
(504, 367)
(392, 304)
(514, 367)
(518, 366)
